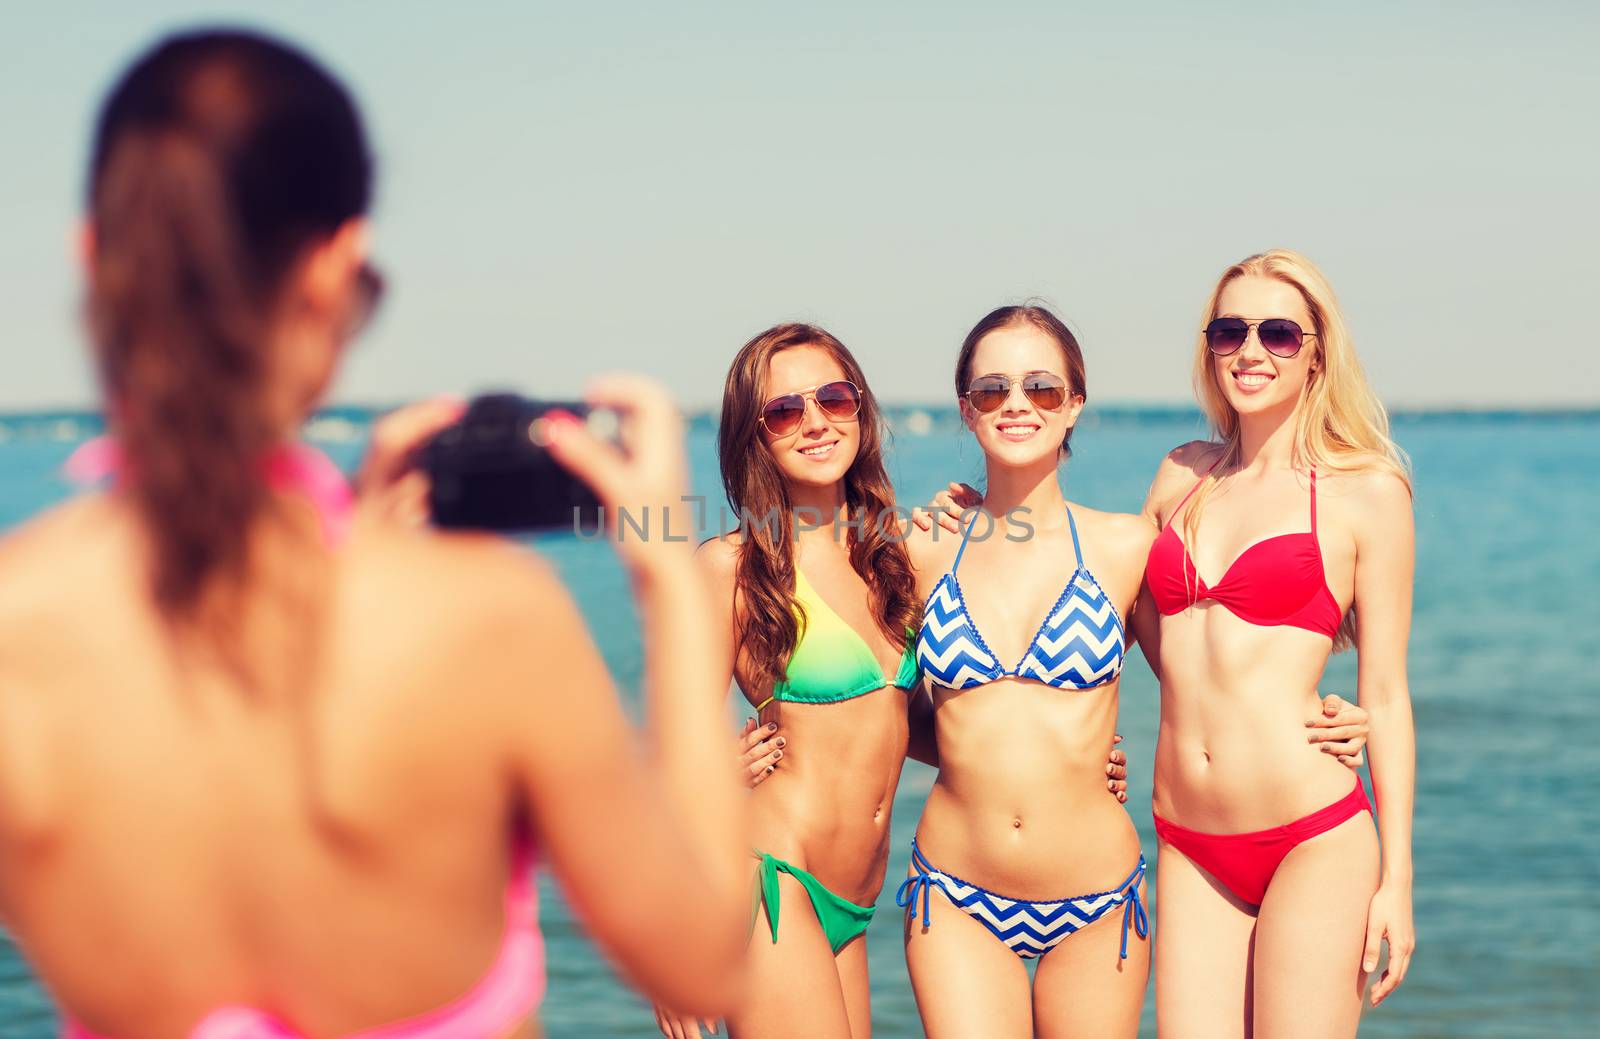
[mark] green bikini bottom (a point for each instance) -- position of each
(840, 920)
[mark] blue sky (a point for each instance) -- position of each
(570, 188)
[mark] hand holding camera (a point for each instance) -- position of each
(507, 463)
(646, 473)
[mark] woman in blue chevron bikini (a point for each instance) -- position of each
(1022, 644)
(1019, 855)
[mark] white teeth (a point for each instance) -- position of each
(820, 449)
(1252, 379)
(1017, 432)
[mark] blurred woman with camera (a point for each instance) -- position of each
(271, 765)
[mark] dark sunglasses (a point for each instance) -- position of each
(1047, 392)
(840, 400)
(1280, 336)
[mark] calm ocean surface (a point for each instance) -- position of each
(1505, 675)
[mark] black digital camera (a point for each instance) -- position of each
(490, 470)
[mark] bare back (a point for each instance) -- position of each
(336, 850)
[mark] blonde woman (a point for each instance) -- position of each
(1287, 538)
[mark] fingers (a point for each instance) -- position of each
(1117, 771)
(1369, 952)
(942, 510)
(1395, 973)
(397, 436)
(761, 762)
(1349, 714)
(1332, 704)
(403, 500)
(1332, 733)
(949, 514)
(964, 495)
(652, 426)
(598, 464)
(1117, 775)
(650, 434)
(1354, 761)
(760, 752)
(762, 769)
(751, 740)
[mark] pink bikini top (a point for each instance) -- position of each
(507, 994)
(1273, 582)
(289, 467)
(514, 985)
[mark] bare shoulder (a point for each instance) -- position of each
(932, 550)
(719, 556)
(1118, 531)
(489, 583)
(1371, 497)
(1189, 462)
(718, 560)
(57, 556)
(1182, 467)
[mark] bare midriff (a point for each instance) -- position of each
(1232, 754)
(1021, 806)
(826, 809)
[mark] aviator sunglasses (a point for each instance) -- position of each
(1280, 336)
(1047, 391)
(840, 400)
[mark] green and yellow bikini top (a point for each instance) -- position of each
(831, 662)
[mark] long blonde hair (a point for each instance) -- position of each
(1340, 424)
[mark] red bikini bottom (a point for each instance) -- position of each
(1245, 862)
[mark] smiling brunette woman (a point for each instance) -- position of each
(1019, 853)
(821, 609)
(1288, 538)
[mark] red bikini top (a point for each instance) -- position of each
(1276, 581)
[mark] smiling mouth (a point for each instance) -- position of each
(1252, 380)
(819, 450)
(1017, 431)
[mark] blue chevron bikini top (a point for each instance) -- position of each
(1079, 645)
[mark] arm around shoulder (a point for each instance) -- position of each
(1182, 468)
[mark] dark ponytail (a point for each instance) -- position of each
(218, 159)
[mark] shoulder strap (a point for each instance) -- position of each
(964, 534)
(1185, 499)
(1076, 549)
(1313, 503)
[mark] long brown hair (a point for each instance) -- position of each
(218, 158)
(1042, 319)
(766, 619)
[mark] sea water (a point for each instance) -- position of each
(1505, 680)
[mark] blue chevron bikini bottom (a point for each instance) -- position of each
(1027, 928)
